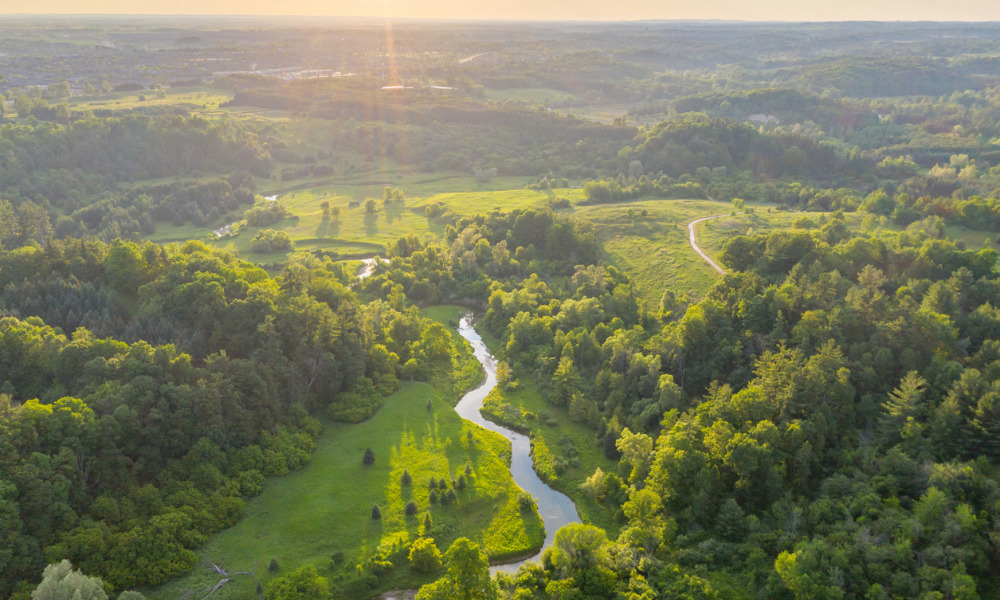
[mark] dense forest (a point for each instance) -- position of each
(820, 421)
(124, 455)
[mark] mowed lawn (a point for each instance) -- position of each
(311, 515)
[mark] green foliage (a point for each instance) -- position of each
(468, 575)
(424, 555)
(60, 581)
(270, 240)
(303, 583)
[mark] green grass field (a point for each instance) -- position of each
(354, 231)
(324, 509)
(195, 98)
(653, 249)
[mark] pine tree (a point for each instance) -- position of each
(369, 457)
(376, 512)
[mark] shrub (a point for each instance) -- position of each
(376, 512)
(424, 555)
(526, 502)
(369, 458)
(433, 210)
(304, 582)
(270, 240)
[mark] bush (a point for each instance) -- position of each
(526, 502)
(369, 458)
(270, 240)
(433, 210)
(425, 556)
(376, 512)
(301, 584)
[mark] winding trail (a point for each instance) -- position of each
(694, 244)
(555, 508)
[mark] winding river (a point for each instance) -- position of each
(555, 508)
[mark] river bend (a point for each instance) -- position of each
(555, 508)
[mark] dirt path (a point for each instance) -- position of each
(694, 244)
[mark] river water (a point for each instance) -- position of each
(555, 508)
(368, 266)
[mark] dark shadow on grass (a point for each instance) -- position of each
(324, 228)
(371, 224)
(393, 211)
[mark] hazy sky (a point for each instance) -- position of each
(619, 10)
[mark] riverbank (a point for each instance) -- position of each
(565, 452)
(555, 508)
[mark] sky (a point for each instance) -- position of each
(597, 10)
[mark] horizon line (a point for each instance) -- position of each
(185, 15)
